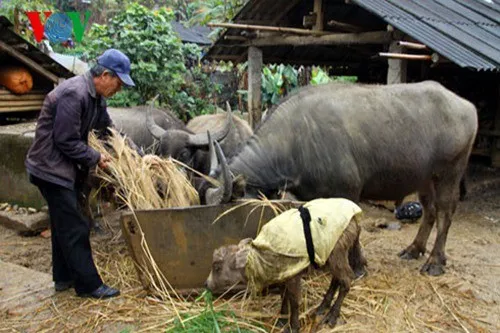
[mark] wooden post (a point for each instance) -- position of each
(495, 143)
(318, 9)
(254, 85)
(396, 72)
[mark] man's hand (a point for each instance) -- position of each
(104, 160)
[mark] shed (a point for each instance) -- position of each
(15, 50)
(455, 42)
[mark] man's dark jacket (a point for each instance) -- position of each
(68, 114)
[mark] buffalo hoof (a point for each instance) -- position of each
(282, 322)
(410, 253)
(288, 329)
(360, 272)
(330, 320)
(432, 269)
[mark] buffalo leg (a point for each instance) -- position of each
(428, 199)
(284, 307)
(447, 192)
(327, 300)
(342, 277)
(293, 295)
(357, 260)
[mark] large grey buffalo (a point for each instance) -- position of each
(190, 145)
(132, 122)
(365, 142)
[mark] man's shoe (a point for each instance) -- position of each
(63, 285)
(103, 291)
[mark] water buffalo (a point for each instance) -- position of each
(132, 122)
(365, 142)
(190, 145)
(263, 262)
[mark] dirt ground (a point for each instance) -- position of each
(465, 299)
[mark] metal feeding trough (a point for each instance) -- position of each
(182, 240)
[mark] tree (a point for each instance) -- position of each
(14, 11)
(157, 58)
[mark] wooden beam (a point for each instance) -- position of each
(320, 16)
(373, 37)
(254, 85)
(27, 61)
(344, 26)
(237, 38)
(38, 102)
(32, 92)
(495, 144)
(227, 57)
(20, 108)
(267, 28)
(26, 97)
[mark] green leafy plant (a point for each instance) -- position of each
(157, 58)
(277, 81)
(319, 76)
(209, 320)
(216, 11)
(15, 10)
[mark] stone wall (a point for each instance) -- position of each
(15, 187)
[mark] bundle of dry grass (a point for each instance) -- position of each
(143, 183)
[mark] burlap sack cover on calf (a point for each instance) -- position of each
(279, 251)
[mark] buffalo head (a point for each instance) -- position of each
(183, 145)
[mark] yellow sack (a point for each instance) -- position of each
(279, 252)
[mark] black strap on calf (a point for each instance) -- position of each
(306, 221)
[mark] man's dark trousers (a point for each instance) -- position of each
(71, 252)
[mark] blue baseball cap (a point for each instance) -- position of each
(117, 62)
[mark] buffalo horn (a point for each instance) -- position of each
(201, 139)
(212, 155)
(222, 194)
(155, 130)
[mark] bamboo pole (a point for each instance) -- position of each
(267, 28)
(412, 45)
(405, 56)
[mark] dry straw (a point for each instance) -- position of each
(143, 183)
(393, 297)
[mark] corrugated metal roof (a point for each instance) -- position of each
(197, 34)
(465, 31)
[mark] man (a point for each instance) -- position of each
(60, 157)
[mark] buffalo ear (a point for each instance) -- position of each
(244, 242)
(219, 254)
(240, 259)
